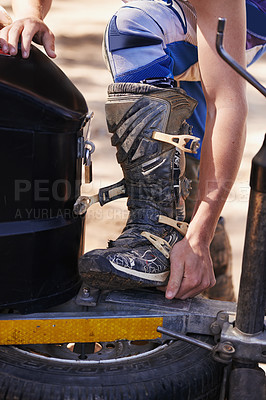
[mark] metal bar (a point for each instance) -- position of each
(194, 315)
(252, 292)
(185, 338)
(247, 383)
(227, 58)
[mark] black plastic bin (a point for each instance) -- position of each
(41, 117)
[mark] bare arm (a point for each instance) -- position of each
(33, 8)
(28, 25)
(191, 266)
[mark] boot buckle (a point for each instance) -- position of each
(105, 195)
(182, 141)
(83, 203)
(180, 226)
(160, 244)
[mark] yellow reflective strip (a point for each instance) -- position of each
(34, 331)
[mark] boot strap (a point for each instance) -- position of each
(162, 245)
(180, 226)
(83, 203)
(105, 195)
(182, 141)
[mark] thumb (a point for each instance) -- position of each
(175, 280)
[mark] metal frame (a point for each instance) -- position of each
(102, 316)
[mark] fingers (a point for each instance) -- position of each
(12, 34)
(4, 40)
(41, 35)
(175, 280)
(49, 43)
(177, 262)
(191, 288)
(25, 30)
(29, 31)
(191, 271)
(185, 290)
(188, 287)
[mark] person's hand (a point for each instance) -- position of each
(191, 270)
(26, 30)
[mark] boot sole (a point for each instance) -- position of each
(109, 277)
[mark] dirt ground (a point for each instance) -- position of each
(79, 26)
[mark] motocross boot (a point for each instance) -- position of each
(149, 132)
(220, 247)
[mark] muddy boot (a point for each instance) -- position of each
(220, 248)
(148, 127)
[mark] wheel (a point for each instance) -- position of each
(119, 370)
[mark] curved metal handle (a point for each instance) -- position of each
(227, 58)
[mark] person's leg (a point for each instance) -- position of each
(135, 41)
(142, 41)
(154, 177)
(153, 169)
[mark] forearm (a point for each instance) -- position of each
(227, 108)
(221, 156)
(31, 8)
(191, 265)
(224, 90)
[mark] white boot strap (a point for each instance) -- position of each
(180, 226)
(162, 245)
(182, 140)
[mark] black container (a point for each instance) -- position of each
(41, 117)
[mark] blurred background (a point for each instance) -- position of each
(79, 26)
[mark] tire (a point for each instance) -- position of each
(174, 370)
